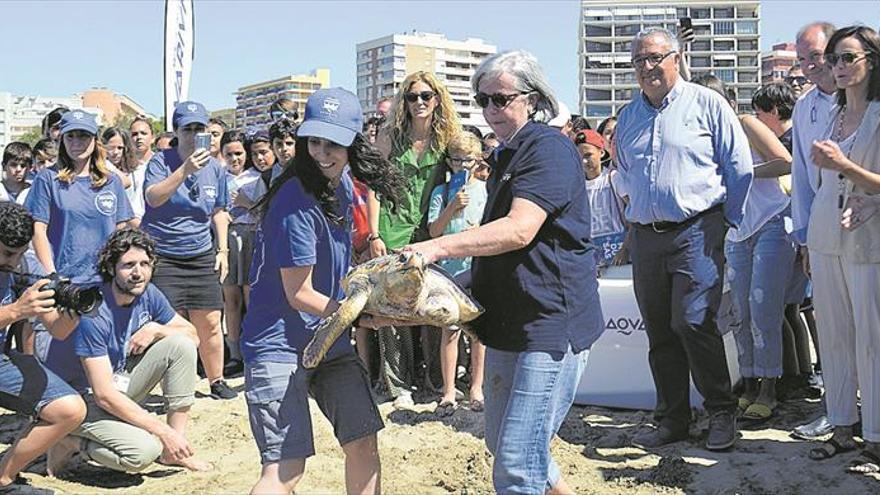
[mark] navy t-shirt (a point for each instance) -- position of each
(295, 233)
(181, 227)
(80, 218)
(545, 296)
(107, 333)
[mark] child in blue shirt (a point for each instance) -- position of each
(303, 250)
(451, 212)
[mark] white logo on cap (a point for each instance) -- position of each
(331, 105)
(192, 107)
(78, 115)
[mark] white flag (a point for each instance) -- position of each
(179, 47)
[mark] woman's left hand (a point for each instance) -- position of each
(221, 264)
(827, 154)
(859, 209)
(429, 250)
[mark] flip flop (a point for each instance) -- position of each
(866, 463)
(822, 453)
(445, 408)
(477, 405)
(757, 412)
(743, 403)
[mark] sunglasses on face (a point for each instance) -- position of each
(461, 161)
(425, 96)
(499, 100)
(848, 58)
(796, 80)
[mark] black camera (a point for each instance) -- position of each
(80, 298)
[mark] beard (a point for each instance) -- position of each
(129, 287)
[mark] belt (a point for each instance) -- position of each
(663, 227)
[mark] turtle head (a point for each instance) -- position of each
(405, 274)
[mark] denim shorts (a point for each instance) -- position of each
(26, 386)
(277, 396)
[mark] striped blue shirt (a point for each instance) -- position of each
(682, 158)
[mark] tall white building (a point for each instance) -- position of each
(383, 63)
(727, 44)
(19, 114)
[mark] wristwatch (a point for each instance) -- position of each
(373, 237)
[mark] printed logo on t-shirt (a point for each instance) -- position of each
(143, 319)
(210, 192)
(105, 202)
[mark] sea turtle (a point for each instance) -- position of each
(397, 286)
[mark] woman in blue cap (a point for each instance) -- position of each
(303, 250)
(78, 203)
(185, 193)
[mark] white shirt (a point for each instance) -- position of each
(765, 200)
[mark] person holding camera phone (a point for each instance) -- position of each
(131, 343)
(186, 195)
(26, 386)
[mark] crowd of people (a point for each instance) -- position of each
(218, 251)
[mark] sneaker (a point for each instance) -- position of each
(233, 367)
(722, 431)
(658, 437)
(220, 390)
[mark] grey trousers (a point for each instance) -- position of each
(113, 443)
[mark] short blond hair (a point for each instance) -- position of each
(466, 142)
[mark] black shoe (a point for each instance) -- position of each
(220, 390)
(815, 430)
(233, 367)
(658, 437)
(722, 431)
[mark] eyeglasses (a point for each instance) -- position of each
(848, 58)
(654, 59)
(796, 80)
(461, 161)
(425, 96)
(499, 100)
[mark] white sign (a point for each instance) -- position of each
(179, 48)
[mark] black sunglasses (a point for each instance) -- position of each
(426, 96)
(848, 58)
(796, 80)
(500, 100)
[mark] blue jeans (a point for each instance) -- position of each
(26, 386)
(677, 277)
(759, 271)
(528, 395)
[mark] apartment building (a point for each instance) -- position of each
(252, 102)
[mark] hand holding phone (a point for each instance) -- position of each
(685, 30)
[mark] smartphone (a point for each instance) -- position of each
(203, 140)
(456, 182)
(685, 23)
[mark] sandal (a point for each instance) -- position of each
(743, 403)
(757, 412)
(821, 453)
(445, 408)
(866, 463)
(477, 405)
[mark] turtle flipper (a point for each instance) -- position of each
(336, 324)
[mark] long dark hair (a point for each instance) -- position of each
(366, 163)
(128, 162)
(871, 44)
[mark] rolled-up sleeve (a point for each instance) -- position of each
(733, 155)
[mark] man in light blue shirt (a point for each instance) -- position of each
(684, 168)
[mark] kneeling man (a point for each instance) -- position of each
(133, 342)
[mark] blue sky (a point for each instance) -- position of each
(57, 48)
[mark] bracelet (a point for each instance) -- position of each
(222, 250)
(373, 237)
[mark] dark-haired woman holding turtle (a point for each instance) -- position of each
(302, 252)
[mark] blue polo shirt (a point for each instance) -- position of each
(181, 227)
(295, 232)
(107, 333)
(80, 218)
(545, 296)
(10, 291)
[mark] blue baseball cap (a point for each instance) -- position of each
(333, 114)
(78, 120)
(187, 112)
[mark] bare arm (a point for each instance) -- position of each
(377, 245)
(157, 194)
(768, 146)
(221, 229)
(515, 230)
(302, 296)
(42, 248)
(152, 332)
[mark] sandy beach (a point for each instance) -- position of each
(428, 454)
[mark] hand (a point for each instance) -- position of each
(859, 209)
(430, 250)
(221, 264)
(377, 248)
(143, 338)
(196, 161)
(34, 301)
(827, 154)
(621, 258)
(459, 202)
(241, 199)
(175, 446)
(377, 322)
(805, 262)
(685, 35)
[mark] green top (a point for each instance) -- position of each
(397, 229)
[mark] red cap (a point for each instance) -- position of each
(590, 136)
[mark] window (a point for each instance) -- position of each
(748, 77)
(723, 27)
(746, 93)
(702, 29)
(625, 78)
(623, 46)
(724, 13)
(627, 29)
(593, 78)
(592, 30)
(623, 65)
(701, 46)
(701, 13)
(597, 94)
(598, 64)
(747, 27)
(723, 45)
(598, 110)
(654, 17)
(745, 108)
(623, 94)
(746, 13)
(724, 63)
(748, 45)
(597, 47)
(701, 61)
(726, 75)
(681, 12)
(747, 61)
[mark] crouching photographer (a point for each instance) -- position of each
(133, 341)
(26, 386)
